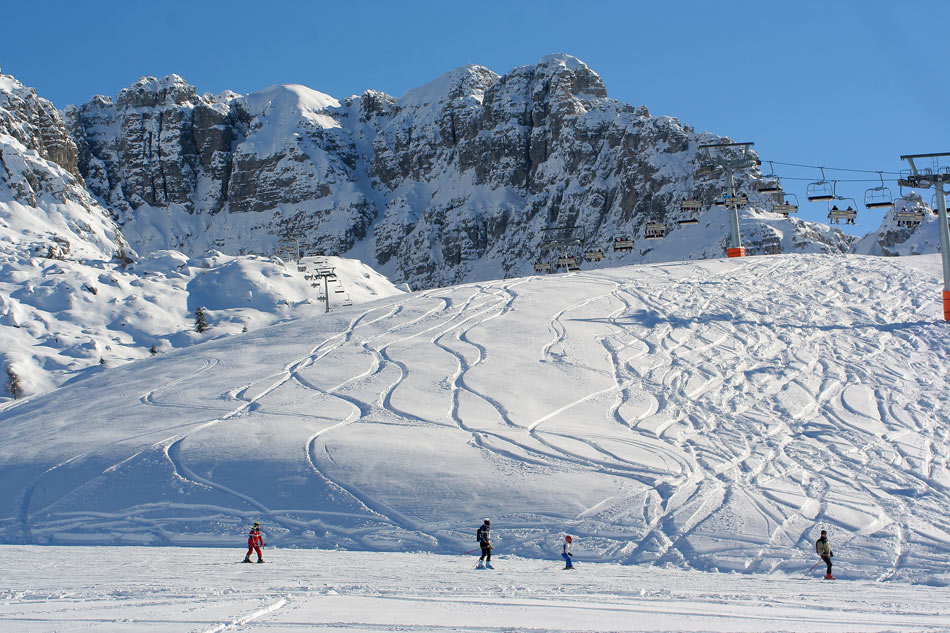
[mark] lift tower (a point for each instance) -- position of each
(731, 162)
(936, 177)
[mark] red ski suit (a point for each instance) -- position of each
(254, 542)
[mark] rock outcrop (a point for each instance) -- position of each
(471, 176)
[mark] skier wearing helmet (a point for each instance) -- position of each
(566, 552)
(255, 541)
(483, 536)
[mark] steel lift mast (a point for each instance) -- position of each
(731, 165)
(925, 178)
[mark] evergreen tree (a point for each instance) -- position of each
(201, 323)
(14, 384)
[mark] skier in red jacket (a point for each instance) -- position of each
(255, 541)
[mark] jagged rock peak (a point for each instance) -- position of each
(36, 123)
(170, 90)
(568, 74)
(469, 81)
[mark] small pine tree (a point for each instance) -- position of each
(245, 328)
(154, 350)
(201, 323)
(14, 384)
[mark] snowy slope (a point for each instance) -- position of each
(62, 319)
(123, 589)
(709, 415)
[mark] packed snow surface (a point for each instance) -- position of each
(706, 415)
(200, 590)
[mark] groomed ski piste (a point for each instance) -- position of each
(693, 425)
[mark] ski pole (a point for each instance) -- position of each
(471, 551)
(812, 567)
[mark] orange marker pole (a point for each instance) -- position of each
(946, 305)
(740, 252)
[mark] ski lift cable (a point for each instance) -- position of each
(864, 171)
(839, 179)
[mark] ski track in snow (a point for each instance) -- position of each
(113, 590)
(722, 423)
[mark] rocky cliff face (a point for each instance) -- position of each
(466, 178)
(44, 205)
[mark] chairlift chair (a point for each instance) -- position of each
(301, 269)
(848, 215)
(623, 244)
(686, 221)
(542, 267)
(690, 205)
(738, 200)
(770, 183)
(822, 190)
(788, 205)
(654, 230)
(592, 255)
(878, 197)
(567, 261)
(909, 217)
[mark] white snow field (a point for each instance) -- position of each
(676, 418)
(205, 590)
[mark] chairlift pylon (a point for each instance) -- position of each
(822, 190)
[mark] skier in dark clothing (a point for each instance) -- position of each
(483, 535)
(823, 549)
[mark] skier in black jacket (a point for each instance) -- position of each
(823, 549)
(483, 534)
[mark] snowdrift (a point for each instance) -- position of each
(710, 415)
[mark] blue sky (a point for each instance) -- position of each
(851, 84)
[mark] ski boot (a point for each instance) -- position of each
(260, 560)
(829, 577)
(247, 559)
(488, 565)
(479, 565)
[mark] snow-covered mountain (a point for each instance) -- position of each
(74, 296)
(466, 178)
(708, 415)
(459, 180)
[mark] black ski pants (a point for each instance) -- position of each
(827, 560)
(486, 552)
